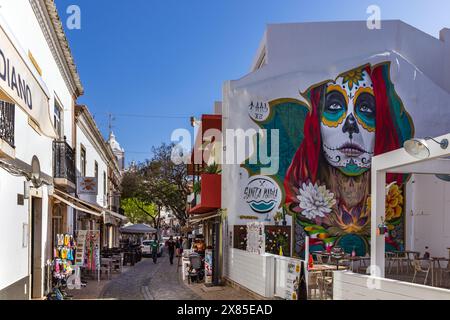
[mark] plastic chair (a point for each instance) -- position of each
(418, 269)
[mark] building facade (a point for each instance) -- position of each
(48, 145)
(39, 84)
(327, 107)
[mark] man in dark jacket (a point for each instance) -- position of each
(170, 244)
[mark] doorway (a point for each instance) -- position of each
(36, 248)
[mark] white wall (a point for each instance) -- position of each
(350, 286)
(13, 257)
(252, 271)
(429, 220)
(18, 17)
(92, 155)
(21, 19)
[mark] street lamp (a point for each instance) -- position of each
(419, 148)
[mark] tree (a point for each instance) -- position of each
(140, 212)
(160, 182)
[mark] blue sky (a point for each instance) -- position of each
(169, 58)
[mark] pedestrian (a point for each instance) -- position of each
(170, 244)
(178, 247)
(185, 244)
(154, 246)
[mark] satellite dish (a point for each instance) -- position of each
(36, 172)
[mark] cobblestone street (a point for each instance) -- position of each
(149, 281)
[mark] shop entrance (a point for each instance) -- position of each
(36, 248)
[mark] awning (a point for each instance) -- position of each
(138, 229)
(86, 207)
(206, 216)
(76, 203)
(115, 214)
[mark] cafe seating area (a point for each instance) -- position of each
(407, 266)
(411, 266)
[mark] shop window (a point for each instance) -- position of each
(104, 184)
(96, 174)
(57, 119)
(57, 223)
(83, 161)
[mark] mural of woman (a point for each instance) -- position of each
(351, 118)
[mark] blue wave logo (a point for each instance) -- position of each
(262, 195)
(262, 206)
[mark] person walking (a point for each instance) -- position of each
(185, 244)
(170, 244)
(178, 247)
(154, 247)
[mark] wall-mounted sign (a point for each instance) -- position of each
(258, 111)
(87, 185)
(256, 238)
(20, 85)
(262, 194)
(292, 279)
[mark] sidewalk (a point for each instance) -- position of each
(94, 288)
(225, 292)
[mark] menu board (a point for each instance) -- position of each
(292, 279)
(81, 246)
(256, 237)
(208, 265)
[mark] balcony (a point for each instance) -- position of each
(7, 115)
(210, 195)
(64, 165)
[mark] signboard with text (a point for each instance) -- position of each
(87, 185)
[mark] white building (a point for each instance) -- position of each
(339, 94)
(95, 159)
(46, 143)
(39, 85)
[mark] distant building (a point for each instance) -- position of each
(118, 151)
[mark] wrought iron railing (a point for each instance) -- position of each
(63, 161)
(7, 114)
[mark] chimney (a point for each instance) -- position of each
(218, 107)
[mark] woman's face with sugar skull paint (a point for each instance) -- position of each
(347, 122)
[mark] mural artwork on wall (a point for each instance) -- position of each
(326, 146)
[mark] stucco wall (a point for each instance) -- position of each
(18, 18)
(350, 286)
(252, 271)
(92, 155)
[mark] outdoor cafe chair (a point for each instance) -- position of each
(106, 266)
(313, 283)
(325, 284)
(447, 273)
(418, 269)
(399, 258)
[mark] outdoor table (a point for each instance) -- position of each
(330, 256)
(437, 268)
(322, 268)
(405, 256)
(356, 258)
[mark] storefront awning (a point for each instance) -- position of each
(76, 203)
(203, 217)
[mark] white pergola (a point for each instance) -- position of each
(399, 161)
